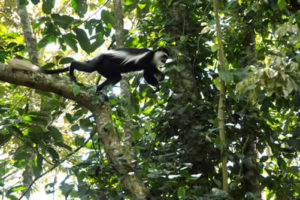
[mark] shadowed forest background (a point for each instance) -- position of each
(225, 124)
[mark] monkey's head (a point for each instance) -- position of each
(161, 56)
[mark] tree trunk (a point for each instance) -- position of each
(221, 117)
(250, 169)
(30, 43)
(133, 183)
(184, 81)
(29, 38)
(124, 84)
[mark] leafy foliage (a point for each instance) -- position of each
(175, 137)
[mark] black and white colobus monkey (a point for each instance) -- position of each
(111, 65)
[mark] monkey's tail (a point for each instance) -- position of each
(24, 65)
(55, 71)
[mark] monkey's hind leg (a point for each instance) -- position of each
(80, 66)
(113, 79)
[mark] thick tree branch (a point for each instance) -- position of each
(60, 86)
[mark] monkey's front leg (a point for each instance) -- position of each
(149, 77)
(112, 79)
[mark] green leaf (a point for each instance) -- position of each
(281, 4)
(16, 188)
(107, 17)
(53, 154)
(48, 5)
(128, 2)
(108, 125)
(70, 39)
(85, 124)
(80, 7)
(55, 134)
(66, 188)
(141, 5)
(131, 109)
(63, 21)
(66, 60)
(27, 119)
(36, 133)
(23, 3)
(148, 110)
(35, 1)
(181, 192)
(138, 133)
(70, 118)
(75, 89)
(99, 41)
(298, 59)
(48, 65)
(45, 41)
(75, 127)
(79, 140)
(178, 68)
(60, 144)
(83, 40)
(38, 165)
(298, 16)
(226, 76)
(217, 83)
(214, 48)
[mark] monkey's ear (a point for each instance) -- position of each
(163, 49)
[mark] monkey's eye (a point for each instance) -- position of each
(164, 58)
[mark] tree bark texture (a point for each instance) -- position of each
(30, 41)
(119, 27)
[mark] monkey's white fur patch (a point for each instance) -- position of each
(126, 56)
(158, 56)
(23, 65)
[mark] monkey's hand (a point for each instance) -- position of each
(159, 75)
(157, 89)
(162, 77)
(73, 78)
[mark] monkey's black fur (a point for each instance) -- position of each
(115, 62)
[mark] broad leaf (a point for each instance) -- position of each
(70, 39)
(83, 40)
(63, 21)
(226, 76)
(80, 7)
(48, 5)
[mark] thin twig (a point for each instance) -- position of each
(100, 8)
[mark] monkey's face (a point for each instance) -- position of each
(160, 58)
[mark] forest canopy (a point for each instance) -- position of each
(224, 125)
